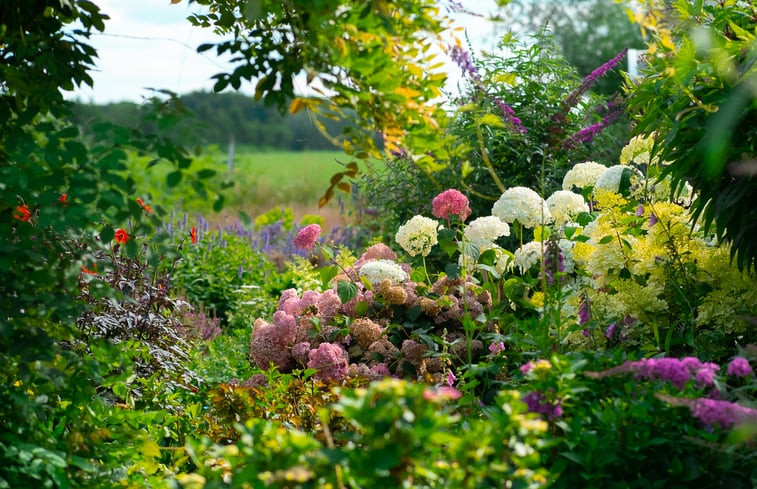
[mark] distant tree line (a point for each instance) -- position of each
(216, 118)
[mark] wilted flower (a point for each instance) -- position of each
(451, 203)
(307, 237)
(523, 205)
(418, 235)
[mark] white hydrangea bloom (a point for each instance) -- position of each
(504, 262)
(485, 230)
(376, 271)
(660, 192)
(582, 175)
(524, 205)
(610, 179)
(637, 151)
(531, 253)
(418, 235)
(564, 205)
(528, 255)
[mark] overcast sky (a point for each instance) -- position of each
(150, 44)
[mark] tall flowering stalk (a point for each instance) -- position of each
(590, 80)
(587, 134)
(462, 58)
(560, 119)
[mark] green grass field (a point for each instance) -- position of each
(262, 180)
(266, 179)
(284, 177)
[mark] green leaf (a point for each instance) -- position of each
(327, 273)
(606, 239)
(206, 173)
(218, 203)
(173, 178)
(346, 291)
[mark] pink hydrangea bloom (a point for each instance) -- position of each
(380, 370)
(450, 203)
(739, 367)
(307, 237)
(300, 352)
(269, 344)
(330, 361)
(379, 251)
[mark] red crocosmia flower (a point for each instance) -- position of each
(144, 206)
(88, 271)
(63, 198)
(22, 213)
(121, 236)
(193, 235)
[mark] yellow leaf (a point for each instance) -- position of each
(175, 1)
(466, 169)
(297, 105)
(667, 42)
(407, 92)
(507, 78)
(150, 448)
(491, 120)
(344, 187)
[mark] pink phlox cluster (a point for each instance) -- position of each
(307, 237)
(451, 203)
(330, 362)
(674, 370)
(739, 367)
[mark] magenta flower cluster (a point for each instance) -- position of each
(538, 403)
(451, 203)
(715, 412)
(676, 371)
(739, 367)
(307, 237)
